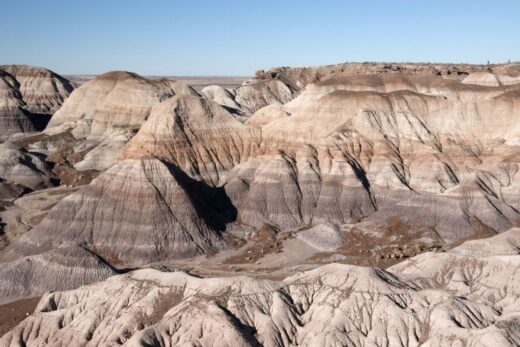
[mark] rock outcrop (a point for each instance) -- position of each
(221, 96)
(436, 153)
(42, 90)
(255, 95)
(115, 100)
(491, 79)
(13, 118)
(385, 140)
(24, 168)
(298, 78)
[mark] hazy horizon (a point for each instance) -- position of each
(236, 38)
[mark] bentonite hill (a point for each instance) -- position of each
(358, 204)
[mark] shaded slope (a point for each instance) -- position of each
(138, 211)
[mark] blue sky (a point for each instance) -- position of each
(237, 37)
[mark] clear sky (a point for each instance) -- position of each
(237, 37)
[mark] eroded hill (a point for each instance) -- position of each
(294, 180)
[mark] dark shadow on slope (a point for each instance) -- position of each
(362, 177)
(211, 203)
(248, 332)
(67, 84)
(232, 110)
(38, 120)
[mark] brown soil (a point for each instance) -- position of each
(13, 313)
(166, 302)
(233, 241)
(31, 139)
(398, 242)
(71, 177)
(64, 157)
(37, 219)
(267, 240)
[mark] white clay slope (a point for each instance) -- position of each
(418, 302)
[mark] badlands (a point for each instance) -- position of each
(357, 204)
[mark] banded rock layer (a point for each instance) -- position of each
(435, 153)
(198, 135)
(138, 211)
(113, 100)
(221, 96)
(104, 113)
(42, 90)
(391, 139)
(58, 269)
(28, 97)
(255, 95)
(298, 78)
